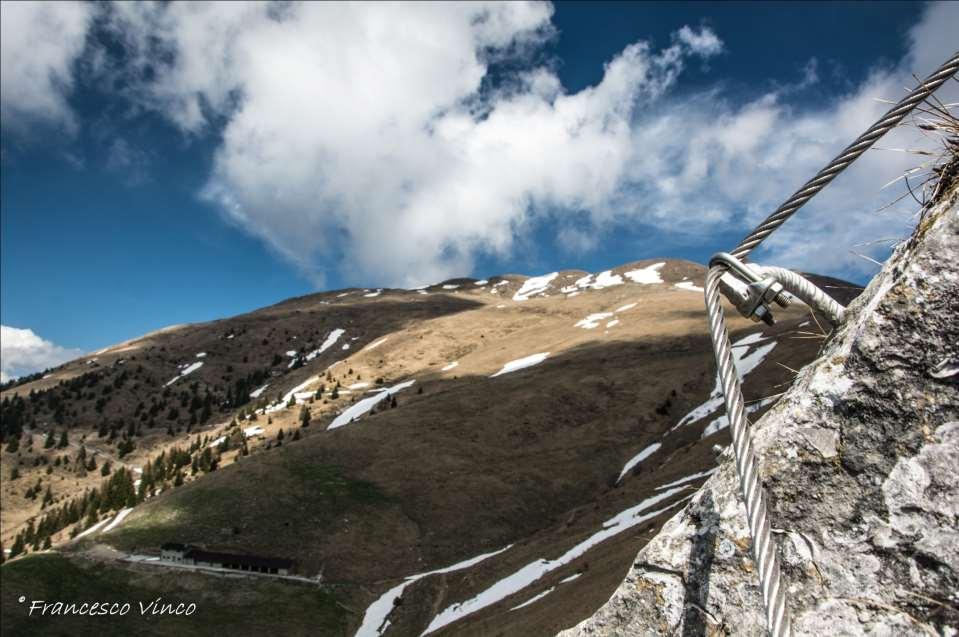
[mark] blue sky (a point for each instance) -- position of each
(168, 164)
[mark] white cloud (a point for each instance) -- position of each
(360, 132)
(739, 162)
(705, 42)
(362, 136)
(39, 43)
(22, 352)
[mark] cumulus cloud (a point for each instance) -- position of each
(368, 137)
(362, 134)
(22, 352)
(39, 43)
(734, 163)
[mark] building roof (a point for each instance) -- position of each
(242, 560)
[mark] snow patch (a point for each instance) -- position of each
(592, 321)
(521, 363)
(688, 285)
(189, 369)
(534, 285)
(259, 390)
(331, 339)
(533, 571)
(647, 275)
(201, 354)
(689, 478)
(450, 366)
(744, 363)
(375, 619)
(356, 410)
(116, 521)
(635, 460)
(534, 598)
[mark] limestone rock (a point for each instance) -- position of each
(860, 460)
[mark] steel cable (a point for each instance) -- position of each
(763, 549)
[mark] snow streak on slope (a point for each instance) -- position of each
(522, 363)
(689, 478)
(256, 393)
(189, 369)
(331, 338)
(592, 321)
(376, 614)
(639, 457)
(647, 275)
(534, 571)
(116, 521)
(534, 598)
(602, 280)
(723, 421)
(744, 365)
(356, 410)
(94, 528)
(688, 285)
(534, 285)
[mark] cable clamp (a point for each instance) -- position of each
(748, 291)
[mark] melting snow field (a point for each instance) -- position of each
(522, 363)
(189, 369)
(647, 275)
(452, 365)
(744, 365)
(639, 457)
(255, 430)
(534, 285)
(375, 620)
(356, 410)
(256, 393)
(372, 294)
(534, 571)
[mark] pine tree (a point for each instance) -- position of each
(14, 473)
(305, 416)
(392, 401)
(64, 441)
(49, 440)
(18, 545)
(105, 469)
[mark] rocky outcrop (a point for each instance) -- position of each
(860, 461)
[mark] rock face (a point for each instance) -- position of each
(860, 462)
